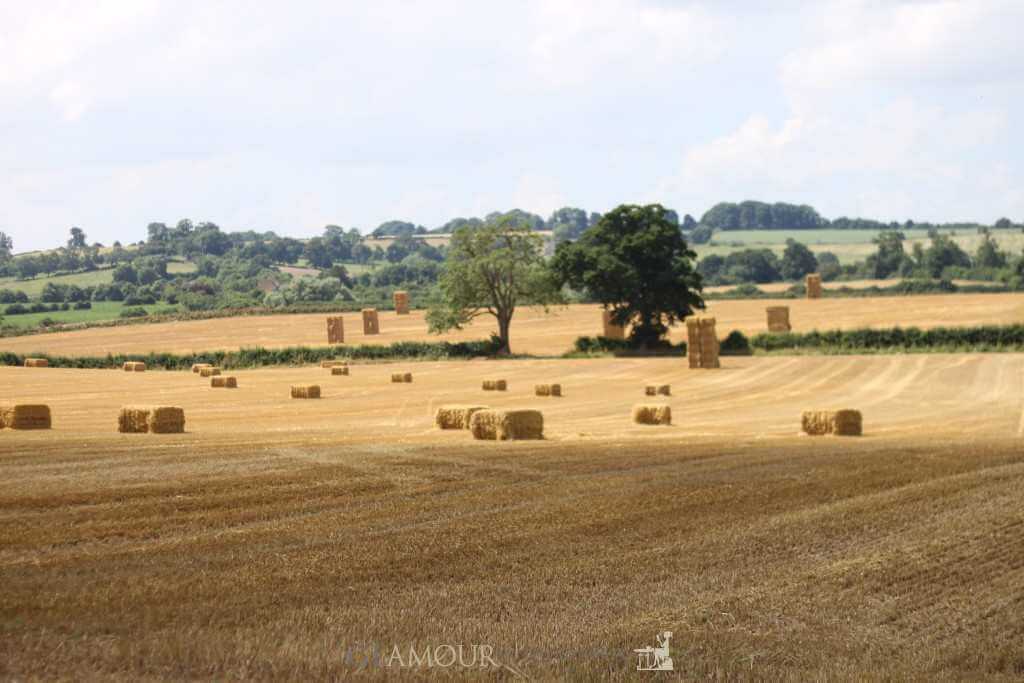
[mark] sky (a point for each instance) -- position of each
(291, 116)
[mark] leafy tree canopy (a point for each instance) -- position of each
(636, 262)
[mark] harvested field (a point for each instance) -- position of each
(532, 332)
(276, 533)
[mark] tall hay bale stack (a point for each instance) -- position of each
(652, 414)
(401, 300)
(209, 371)
(658, 390)
(333, 363)
(813, 284)
(495, 385)
(455, 416)
(25, 416)
(224, 382)
(505, 425)
(778, 318)
(547, 389)
(335, 330)
(401, 377)
(702, 343)
(151, 419)
(196, 367)
(371, 324)
(37, 363)
(134, 366)
(837, 422)
(339, 370)
(306, 391)
(609, 329)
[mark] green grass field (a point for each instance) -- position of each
(92, 278)
(849, 245)
(101, 310)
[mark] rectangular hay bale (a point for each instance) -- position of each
(504, 425)
(333, 363)
(837, 422)
(658, 390)
(401, 377)
(134, 366)
(455, 416)
(495, 385)
(335, 330)
(371, 323)
(778, 318)
(547, 389)
(339, 370)
(401, 300)
(652, 414)
(224, 382)
(209, 371)
(609, 329)
(25, 416)
(196, 367)
(151, 419)
(306, 391)
(37, 363)
(813, 285)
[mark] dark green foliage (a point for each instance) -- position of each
(636, 262)
(735, 344)
(989, 337)
(797, 261)
(134, 312)
(625, 347)
(752, 215)
(260, 357)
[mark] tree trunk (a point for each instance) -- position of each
(504, 322)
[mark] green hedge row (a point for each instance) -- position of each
(260, 357)
(1002, 337)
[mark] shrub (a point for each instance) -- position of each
(16, 309)
(1005, 337)
(736, 344)
(134, 312)
(83, 305)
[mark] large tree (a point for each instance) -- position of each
(636, 262)
(797, 261)
(489, 270)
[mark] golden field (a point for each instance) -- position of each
(277, 534)
(533, 330)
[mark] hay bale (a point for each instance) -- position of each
(371, 324)
(813, 284)
(335, 330)
(609, 329)
(224, 382)
(333, 363)
(658, 390)
(547, 389)
(701, 343)
(401, 302)
(401, 377)
(652, 414)
(838, 422)
(503, 425)
(151, 419)
(455, 416)
(134, 366)
(25, 416)
(778, 318)
(339, 370)
(196, 367)
(306, 391)
(495, 385)
(209, 371)
(37, 363)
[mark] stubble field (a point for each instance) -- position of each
(533, 330)
(289, 539)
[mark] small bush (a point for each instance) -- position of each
(736, 344)
(134, 312)
(16, 309)
(83, 305)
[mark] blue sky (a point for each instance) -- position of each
(290, 116)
